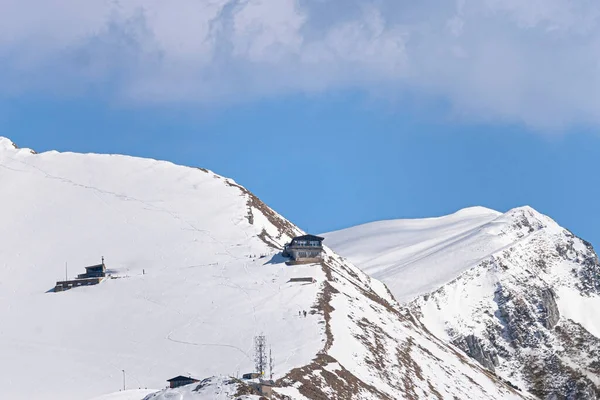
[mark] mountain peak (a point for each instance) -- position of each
(7, 144)
(512, 290)
(525, 210)
(526, 219)
(476, 210)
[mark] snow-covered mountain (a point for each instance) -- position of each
(196, 273)
(515, 291)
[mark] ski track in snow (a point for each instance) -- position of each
(176, 217)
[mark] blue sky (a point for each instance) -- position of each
(395, 108)
(362, 160)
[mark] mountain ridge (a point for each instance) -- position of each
(515, 306)
(196, 274)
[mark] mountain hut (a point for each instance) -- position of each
(180, 380)
(306, 249)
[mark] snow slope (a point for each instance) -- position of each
(214, 388)
(196, 274)
(204, 295)
(426, 253)
(515, 291)
(134, 394)
(374, 351)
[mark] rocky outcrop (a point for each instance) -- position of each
(518, 331)
(549, 314)
(589, 275)
(476, 349)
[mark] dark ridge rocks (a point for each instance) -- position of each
(551, 378)
(317, 382)
(398, 365)
(519, 318)
(284, 227)
(525, 221)
(473, 346)
(548, 308)
(589, 275)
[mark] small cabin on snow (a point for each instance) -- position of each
(304, 249)
(94, 271)
(302, 280)
(180, 380)
(93, 275)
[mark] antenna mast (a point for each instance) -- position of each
(260, 354)
(271, 363)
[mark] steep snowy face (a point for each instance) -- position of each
(195, 274)
(530, 311)
(424, 253)
(528, 308)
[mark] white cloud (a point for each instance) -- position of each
(536, 61)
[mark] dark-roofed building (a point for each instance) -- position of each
(61, 286)
(94, 271)
(302, 280)
(304, 249)
(93, 275)
(180, 380)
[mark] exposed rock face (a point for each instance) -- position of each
(588, 276)
(510, 319)
(548, 308)
(473, 346)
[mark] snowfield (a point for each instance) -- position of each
(135, 394)
(584, 310)
(190, 293)
(425, 253)
(196, 274)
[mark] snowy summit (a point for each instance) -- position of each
(515, 291)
